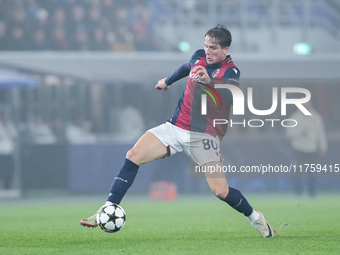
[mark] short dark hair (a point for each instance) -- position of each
(221, 35)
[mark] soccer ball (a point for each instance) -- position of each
(111, 218)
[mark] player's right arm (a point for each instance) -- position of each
(178, 74)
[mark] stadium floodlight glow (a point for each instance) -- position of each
(184, 46)
(302, 48)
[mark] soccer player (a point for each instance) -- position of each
(191, 130)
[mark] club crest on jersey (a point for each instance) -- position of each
(216, 72)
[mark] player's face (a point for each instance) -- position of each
(213, 51)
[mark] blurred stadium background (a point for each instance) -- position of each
(77, 78)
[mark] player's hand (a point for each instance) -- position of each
(199, 73)
(161, 85)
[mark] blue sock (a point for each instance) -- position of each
(123, 181)
(237, 201)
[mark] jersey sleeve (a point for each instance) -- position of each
(179, 73)
(232, 72)
(184, 69)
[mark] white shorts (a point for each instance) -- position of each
(200, 147)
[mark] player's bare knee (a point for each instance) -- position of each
(220, 192)
(221, 195)
(134, 156)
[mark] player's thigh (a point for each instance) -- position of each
(216, 178)
(148, 148)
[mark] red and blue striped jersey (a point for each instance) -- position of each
(188, 114)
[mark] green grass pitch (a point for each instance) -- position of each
(189, 225)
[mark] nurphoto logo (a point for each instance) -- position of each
(286, 98)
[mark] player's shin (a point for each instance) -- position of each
(237, 201)
(123, 181)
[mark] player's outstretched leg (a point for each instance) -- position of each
(147, 149)
(121, 183)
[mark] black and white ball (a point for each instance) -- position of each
(111, 218)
